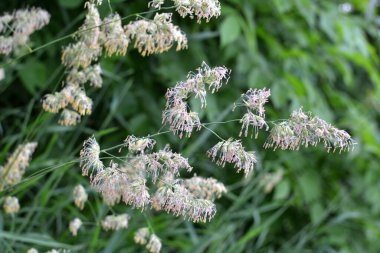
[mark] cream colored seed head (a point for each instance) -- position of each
(115, 222)
(11, 205)
(154, 245)
(80, 196)
(141, 236)
(69, 118)
(74, 226)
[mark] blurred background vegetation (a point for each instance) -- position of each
(322, 55)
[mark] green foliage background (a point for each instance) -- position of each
(309, 53)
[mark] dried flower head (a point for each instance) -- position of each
(74, 226)
(115, 222)
(154, 245)
(115, 39)
(178, 200)
(13, 170)
(304, 129)
(232, 151)
(138, 145)
(89, 157)
(204, 188)
(80, 196)
(32, 250)
(11, 205)
(141, 236)
(155, 36)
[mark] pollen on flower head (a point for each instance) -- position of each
(115, 222)
(11, 205)
(74, 226)
(232, 151)
(80, 196)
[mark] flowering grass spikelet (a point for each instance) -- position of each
(201, 9)
(115, 222)
(204, 188)
(74, 226)
(115, 39)
(232, 151)
(116, 184)
(80, 196)
(91, 75)
(154, 245)
(69, 117)
(251, 119)
(155, 36)
(177, 200)
(79, 55)
(141, 236)
(270, 180)
(138, 145)
(18, 27)
(166, 161)
(13, 170)
(89, 157)
(254, 100)
(89, 32)
(181, 120)
(11, 205)
(32, 250)
(304, 129)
